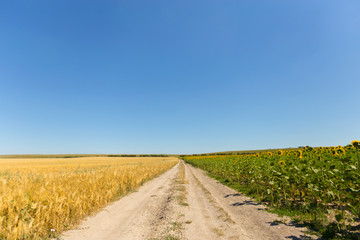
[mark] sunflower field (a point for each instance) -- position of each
(320, 186)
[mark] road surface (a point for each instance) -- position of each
(184, 203)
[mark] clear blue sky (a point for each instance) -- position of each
(183, 76)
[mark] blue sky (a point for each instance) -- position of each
(177, 76)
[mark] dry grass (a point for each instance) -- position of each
(42, 197)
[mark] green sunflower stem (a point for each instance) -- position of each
(357, 156)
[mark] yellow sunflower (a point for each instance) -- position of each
(355, 143)
(334, 152)
(341, 150)
(299, 154)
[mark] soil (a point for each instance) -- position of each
(184, 203)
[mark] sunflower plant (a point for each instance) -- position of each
(320, 184)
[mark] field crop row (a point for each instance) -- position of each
(320, 186)
(42, 197)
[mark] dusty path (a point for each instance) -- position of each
(184, 203)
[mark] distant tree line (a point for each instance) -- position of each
(138, 155)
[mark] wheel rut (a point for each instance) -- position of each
(185, 204)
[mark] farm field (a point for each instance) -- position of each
(42, 197)
(185, 204)
(93, 197)
(317, 186)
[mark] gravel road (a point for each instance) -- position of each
(184, 203)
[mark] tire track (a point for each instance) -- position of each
(213, 222)
(184, 204)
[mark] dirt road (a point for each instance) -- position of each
(184, 203)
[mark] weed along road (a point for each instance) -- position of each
(184, 203)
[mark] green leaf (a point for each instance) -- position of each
(350, 196)
(352, 190)
(315, 170)
(330, 193)
(353, 167)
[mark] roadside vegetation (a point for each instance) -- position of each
(82, 155)
(318, 187)
(42, 197)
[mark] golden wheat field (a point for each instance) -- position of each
(42, 197)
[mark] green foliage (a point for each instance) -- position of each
(322, 185)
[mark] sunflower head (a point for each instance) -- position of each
(282, 163)
(299, 154)
(334, 152)
(355, 143)
(279, 152)
(341, 150)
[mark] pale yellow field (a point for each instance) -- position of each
(42, 197)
